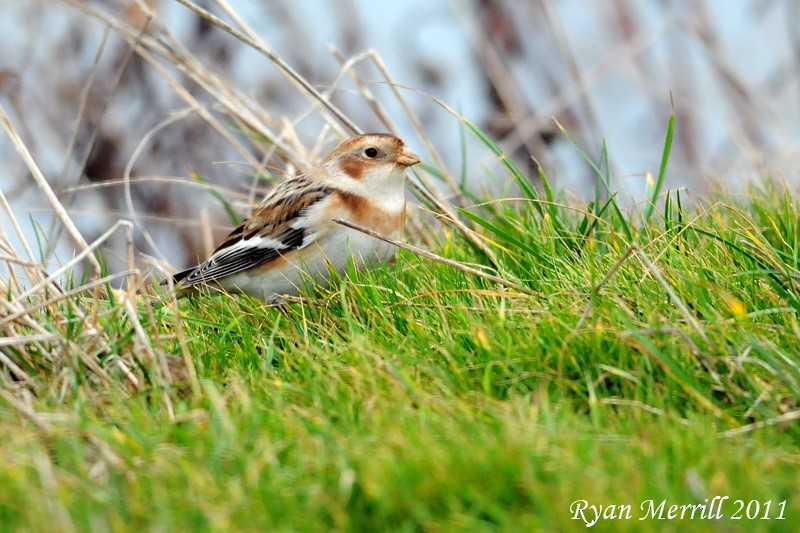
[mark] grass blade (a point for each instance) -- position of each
(662, 170)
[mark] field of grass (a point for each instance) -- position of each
(632, 367)
(647, 355)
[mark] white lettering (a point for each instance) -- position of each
(694, 509)
(719, 509)
(577, 509)
(591, 514)
(652, 511)
(618, 511)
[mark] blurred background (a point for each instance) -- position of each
(194, 115)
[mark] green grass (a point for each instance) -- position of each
(419, 397)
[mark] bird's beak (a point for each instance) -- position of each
(407, 157)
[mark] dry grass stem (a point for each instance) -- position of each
(439, 259)
(44, 186)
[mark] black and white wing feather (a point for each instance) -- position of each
(277, 226)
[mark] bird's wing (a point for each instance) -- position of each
(277, 226)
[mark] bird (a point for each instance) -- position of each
(290, 241)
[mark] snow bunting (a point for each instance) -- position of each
(291, 239)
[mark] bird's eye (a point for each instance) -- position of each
(371, 153)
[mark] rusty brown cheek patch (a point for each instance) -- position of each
(354, 168)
